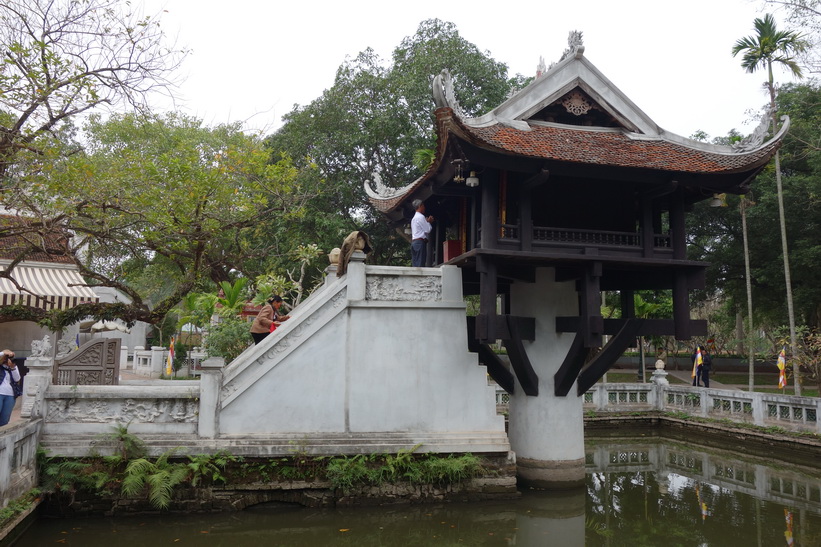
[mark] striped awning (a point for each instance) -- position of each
(50, 288)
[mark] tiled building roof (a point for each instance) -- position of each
(614, 148)
(586, 146)
(17, 234)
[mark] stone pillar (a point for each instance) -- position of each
(34, 386)
(452, 284)
(123, 357)
(210, 386)
(356, 276)
(157, 361)
(546, 431)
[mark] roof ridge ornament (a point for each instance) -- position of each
(541, 68)
(380, 191)
(575, 47)
(756, 138)
(443, 95)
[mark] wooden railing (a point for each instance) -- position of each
(543, 235)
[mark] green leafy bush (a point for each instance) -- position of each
(228, 338)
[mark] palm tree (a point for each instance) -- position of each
(766, 47)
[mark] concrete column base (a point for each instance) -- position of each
(550, 474)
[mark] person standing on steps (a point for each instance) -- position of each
(267, 319)
(420, 230)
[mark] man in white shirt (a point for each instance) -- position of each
(420, 229)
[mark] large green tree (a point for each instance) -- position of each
(375, 119)
(159, 206)
(716, 233)
(63, 58)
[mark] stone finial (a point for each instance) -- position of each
(333, 256)
(575, 45)
(541, 68)
(41, 348)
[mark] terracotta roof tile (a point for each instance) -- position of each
(16, 234)
(612, 148)
(585, 145)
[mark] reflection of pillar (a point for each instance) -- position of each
(546, 431)
(551, 518)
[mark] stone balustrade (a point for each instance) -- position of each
(18, 455)
(762, 409)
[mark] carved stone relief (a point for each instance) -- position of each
(128, 410)
(404, 289)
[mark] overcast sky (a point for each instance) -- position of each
(253, 60)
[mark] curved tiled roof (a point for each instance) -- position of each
(615, 149)
(589, 146)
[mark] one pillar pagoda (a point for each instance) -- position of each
(565, 190)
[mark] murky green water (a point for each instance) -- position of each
(638, 493)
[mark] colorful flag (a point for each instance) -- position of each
(169, 366)
(699, 360)
(782, 366)
(77, 341)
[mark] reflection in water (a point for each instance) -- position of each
(638, 493)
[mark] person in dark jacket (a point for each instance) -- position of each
(701, 371)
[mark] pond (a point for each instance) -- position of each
(638, 492)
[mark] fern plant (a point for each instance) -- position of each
(125, 445)
(159, 477)
(210, 467)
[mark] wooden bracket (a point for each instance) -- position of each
(518, 356)
(573, 363)
(602, 362)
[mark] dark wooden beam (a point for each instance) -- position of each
(677, 226)
(681, 307)
(590, 306)
(486, 321)
(490, 210)
(659, 191)
(572, 364)
(602, 362)
(525, 273)
(536, 180)
(647, 235)
(651, 327)
(496, 368)
(518, 358)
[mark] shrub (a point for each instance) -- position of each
(227, 339)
